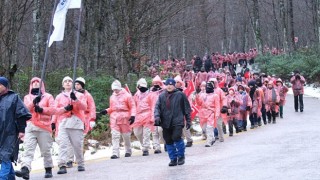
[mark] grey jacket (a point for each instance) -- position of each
(173, 113)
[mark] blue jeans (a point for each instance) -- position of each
(7, 171)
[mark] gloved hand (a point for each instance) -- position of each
(53, 126)
(36, 100)
(224, 109)
(157, 122)
(92, 124)
(38, 109)
(131, 120)
(73, 96)
(248, 108)
(188, 125)
(69, 107)
(104, 112)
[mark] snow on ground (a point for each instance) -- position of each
(309, 90)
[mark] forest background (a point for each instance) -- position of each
(120, 39)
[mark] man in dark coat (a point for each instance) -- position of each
(171, 111)
(13, 117)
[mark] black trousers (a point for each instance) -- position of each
(231, 123)
(298, 100)
(271, 114)
(172, 134)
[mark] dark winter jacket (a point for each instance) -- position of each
(13, 117)
(173, 111)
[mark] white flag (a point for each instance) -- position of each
(59, 19)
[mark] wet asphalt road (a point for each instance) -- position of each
(288, 150)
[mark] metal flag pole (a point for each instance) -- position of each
(75, 62)
(47, 48)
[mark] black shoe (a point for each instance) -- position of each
(24, 173)
(273, 122)
(173, 162)
(252, 127)
(62, 170)
(296, 110)
(145, 153)
(48, 173)
(181, 160)
(244, 129)
(265, 122)
(69, 164)
(269, 121)
(301, 110)
(81, 168)
(114, 157)
(189, 144)
(158, 151)
(127, 155)
(281, 116)
(230, 135)
(259, 124)
(216, 138)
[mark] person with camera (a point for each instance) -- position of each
(297, 82)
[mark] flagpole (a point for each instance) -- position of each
(75, 62)
(44, 65)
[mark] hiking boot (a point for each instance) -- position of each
(48, 173)
(145, 153)
(127, 155)
(114, 157)
(181, 160)
(62, 170)
(24, 173)
(173, 162)
(69, 164)
(81, 168)
(189, 144)
(158, 151)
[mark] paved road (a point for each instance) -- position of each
(287, 150)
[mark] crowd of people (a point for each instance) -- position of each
(162, 111)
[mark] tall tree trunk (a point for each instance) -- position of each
(225, 39)
(315, 21)
(36, 39)
(292, 36)
(256, 25)
(284, 23)
(275, 22)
